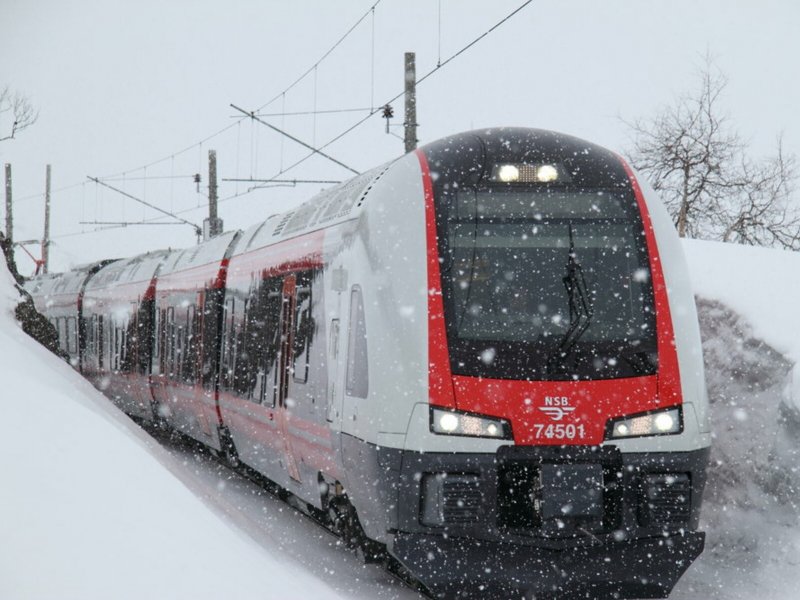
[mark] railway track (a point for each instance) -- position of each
(176, 440)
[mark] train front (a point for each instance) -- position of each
(563, 335)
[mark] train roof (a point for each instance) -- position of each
(69, 282)
(129, 270)
(329, 206)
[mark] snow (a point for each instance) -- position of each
(761, 284)
(751, 507)
(91, 507)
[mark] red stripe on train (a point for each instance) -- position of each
(440, 380)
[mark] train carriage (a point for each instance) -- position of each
(59, 296)
(118, 325)
(483, 357)
(189, 294)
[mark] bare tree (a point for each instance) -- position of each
(22, 113)
(691, 155)
(761, 213)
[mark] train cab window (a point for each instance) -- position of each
(357, 384)
(546, 284)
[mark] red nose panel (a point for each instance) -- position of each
(557, 412)
(550, 412)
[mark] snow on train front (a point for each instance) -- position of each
(564, 443)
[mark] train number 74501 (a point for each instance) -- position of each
(560, 431)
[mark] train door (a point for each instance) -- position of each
(283, 404)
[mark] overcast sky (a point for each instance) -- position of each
(122, 84)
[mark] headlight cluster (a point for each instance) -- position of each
(660, 422)
(453, 422)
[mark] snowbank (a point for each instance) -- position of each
(749, 321)
(88, 509)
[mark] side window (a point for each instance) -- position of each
(303, 329)
(170, 342)
(156, 361)
(163, 350)
(62, 333)
(226, 371)
(190, 349)
(91, 334)
(240, 380)
(357, 364)
(263, 327)
(100, 341)
(72, 336)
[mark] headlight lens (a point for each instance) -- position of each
(661, 422)
(453, 422)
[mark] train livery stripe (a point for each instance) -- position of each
(669, 379)
(440, 380)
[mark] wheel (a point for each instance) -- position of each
(228, 451)
(344, 522)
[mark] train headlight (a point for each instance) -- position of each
(507, 173)
(530, 173)
(546, 173)
(453, 422)
(660, 422)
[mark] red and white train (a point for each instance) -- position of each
(484, 353)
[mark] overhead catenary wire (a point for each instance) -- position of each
(197, 229)
(394, 98)
(322, 58)
(294, 139)
(355, 125)
(237, 122)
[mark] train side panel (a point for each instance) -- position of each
(188, 299)
(118, 313)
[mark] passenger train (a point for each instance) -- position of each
(482, 358)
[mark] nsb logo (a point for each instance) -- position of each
(556, 407)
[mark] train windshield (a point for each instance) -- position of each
(547, 284)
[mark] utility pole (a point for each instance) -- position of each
(411, 102)
(212, 226)
(46, 239)
(9, 213)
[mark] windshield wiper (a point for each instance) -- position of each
(581, 308)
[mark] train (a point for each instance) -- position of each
(481, 358)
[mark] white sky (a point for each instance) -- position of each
(124, 84)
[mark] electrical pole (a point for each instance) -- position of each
(411, 102)
(212, 226)
(9, 213)
(46, 239)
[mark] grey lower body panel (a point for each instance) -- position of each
(640, 568)
(628, 526)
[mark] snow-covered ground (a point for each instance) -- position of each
(93, 508)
